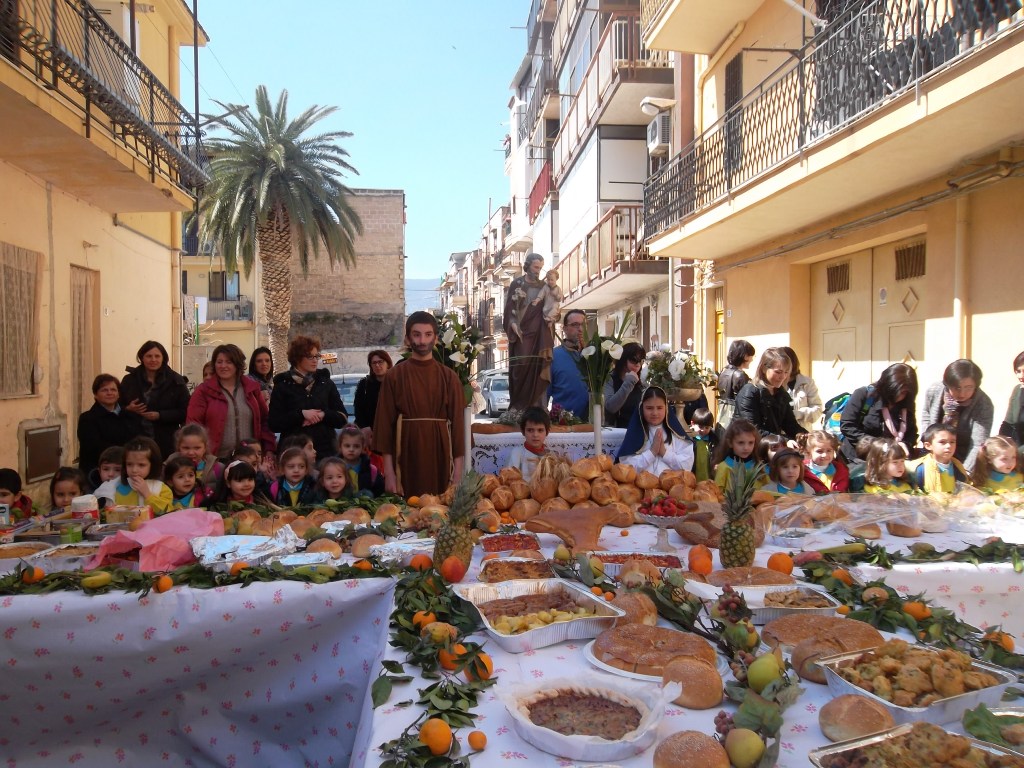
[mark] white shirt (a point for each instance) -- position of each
(678, 455)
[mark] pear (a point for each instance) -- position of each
(744, 746)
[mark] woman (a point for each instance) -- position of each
(732, 379)
(623, 390)
(883, 409)
(958, 401)
(806, 401)
(156, 394)
(230, 406)
(305, 399)
(1013, 424)
(261, 370)
(368, 390)
(765, 401)
(104, 425)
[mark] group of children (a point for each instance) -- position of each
(655, 441)
(136, 475)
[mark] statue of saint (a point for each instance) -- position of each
(530, 338)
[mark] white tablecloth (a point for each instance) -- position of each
(491, 452)
(270, 675)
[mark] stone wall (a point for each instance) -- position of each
(363, 306)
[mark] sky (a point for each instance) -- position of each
(423, 86)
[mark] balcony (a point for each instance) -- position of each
(543, 99)
(542, 190)
(226, 310)
(610, 265)
(87, 110)
(886, 97)
(620, 75)
(692, 26)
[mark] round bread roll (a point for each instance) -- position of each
(690, 749)
(647, 570)
(502, 498)
(329, 546)
(553, 504)
(361, 546)
(639, 609)
(283, 517)
(646, 480)
(508, 474)
(386, 511)
(670, 478)
(681, 492)
(623, 514)
(429, 499)
(587, 468)
(851, 716)
(623, 473)
(319, 516)
(629, 493)
(520, 489)
(605, 462)
(869, 531)
(301, 524)
(806, 654)
(908, 530)
(490, 483)
(604, 491)
(653, 494)
(574, 490)
(702, 684)
(356, 515)
(263, 527)
(524, 509)
(543, 488)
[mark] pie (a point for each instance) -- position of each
(646, 650)
(754, 576)
(584, 711)
(506, 570)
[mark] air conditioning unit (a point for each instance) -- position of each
(659, 134)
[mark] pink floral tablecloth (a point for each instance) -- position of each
(270, 675)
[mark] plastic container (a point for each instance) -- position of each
(85, 506)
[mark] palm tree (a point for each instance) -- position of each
(275, 190)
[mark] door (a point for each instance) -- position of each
(85, 344)
(900, 304)
(841, 323)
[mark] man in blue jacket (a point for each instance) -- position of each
(567, 388)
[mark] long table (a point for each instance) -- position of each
(491, 452)
(800, 733)
(272, 674)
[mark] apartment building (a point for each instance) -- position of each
(851, 184)
(97, 164)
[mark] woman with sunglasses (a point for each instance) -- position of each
(305, 400)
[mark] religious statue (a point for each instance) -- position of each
(530, 336)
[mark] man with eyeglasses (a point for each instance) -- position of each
(567, 388)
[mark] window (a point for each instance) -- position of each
(222, 287)
(19, 311)
(910, 261)
(838, 276)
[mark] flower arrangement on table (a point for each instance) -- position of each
(598, 356)
(457, 348)
(563, 417)
(675, 370)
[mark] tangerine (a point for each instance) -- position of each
(32, 575)
(448, 657)
(477, 740)
(237, 568)
(421, 562)
(480, 668)
(781, 562)
(453, 569)
(698, 552)
(609, 596)
(1003, 639)
(623, 532)
(842, 610)
(702, 566)
(436, 734)
(413, 501)
(163, 583)
(420, 619)
(363, 565)
(843, 575)
(917, 610)
(597, 590)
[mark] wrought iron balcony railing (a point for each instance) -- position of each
(866, 56)
(608, 247)
(68, 47)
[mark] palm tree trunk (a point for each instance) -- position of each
(275, 250)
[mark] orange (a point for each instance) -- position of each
(413, 501)
(447, 658)
(698, 552)
(163, 583)
(843, 575)
(702, 565)
(597, 590)
(623, 532)
(420, 619)
(843, 610)
(480, 668)
(609, 596)
(453, 569)
(363, 565)
(781, 562)
(32, 574)
(421, 562)
(1002, 639)
(436, 734)
(237, 568)
(477, 740)
(917, 610)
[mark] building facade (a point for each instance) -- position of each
(96, 167)
(852, 182)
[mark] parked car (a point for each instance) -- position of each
(495, 394)
(346, 384)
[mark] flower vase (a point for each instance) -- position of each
(680, 396)
(597, 419)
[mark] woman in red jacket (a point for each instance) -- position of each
(231, 406)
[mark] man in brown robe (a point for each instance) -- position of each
(418, 426)
(530, 339)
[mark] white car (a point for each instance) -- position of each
(495, 394)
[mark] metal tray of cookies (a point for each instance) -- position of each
(822, 756)
(762, 613)
(557, 632)
(940, 712)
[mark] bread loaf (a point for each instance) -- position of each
(851, 716)
(690, 749)
(624, 473)
(587, 468)
(908, 530)
(646, 650)
(524, 509)
(490, 483)
(647, 481)
(639, 609)
(702, 683)
(574, 490)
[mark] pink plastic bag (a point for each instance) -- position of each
(163, 543)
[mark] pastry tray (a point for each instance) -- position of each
(573, 629)
(612, 570)
(9, 563)
(821, 756)
(940, 712)
(52, 559)
(763, 614)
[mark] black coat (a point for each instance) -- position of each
(367, 392)
(730, 381)
(771, 414)
(862, 418)
(289, 400)
(168, 396)
(99, 429)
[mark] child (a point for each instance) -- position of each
(535, 423)
(10, 494)
(704, 442)
(551, 296)
(995, 470)
(655, 440)
(65, 485)
(303, 441)
(180, 477)
(139, 483)
(333, 480)
(786, 474)
(768, 446)
(252, 455)
(938, 470)
(737, 447)
(294, 486)
(109, 466)
(885, 467)
(237, 484)
(193, 442)
(363, 477)
(825, 472)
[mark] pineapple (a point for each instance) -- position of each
(454, 537)
(736, 548)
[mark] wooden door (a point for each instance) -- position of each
(899, 297)
(841, 327)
